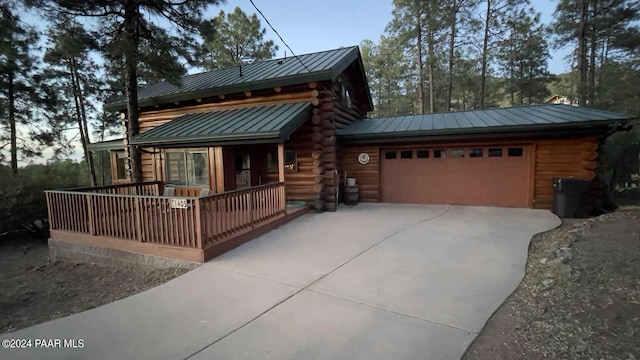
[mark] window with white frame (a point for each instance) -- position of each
(187, 167)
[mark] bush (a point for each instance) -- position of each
(22, 200)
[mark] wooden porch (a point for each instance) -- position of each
(136, 218)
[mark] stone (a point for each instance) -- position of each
(564, 252)
(572, 238)
(564, 270)
(555, 262)
(547, 282)
(543, 261)
(553, 248)
(572, 231)
(578, 225)
(549, 275)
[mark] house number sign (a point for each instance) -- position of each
(178, 203)
(363, 158)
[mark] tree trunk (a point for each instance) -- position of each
(12, 122)
(430, 46)
(485, 46)
(420, 76)
(82, 120)
(592, 59)
(131, 43)
(452, 43)
(582, 55)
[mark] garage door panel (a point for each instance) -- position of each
(482, 180)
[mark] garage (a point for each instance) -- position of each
(495, 157)
(475, 175)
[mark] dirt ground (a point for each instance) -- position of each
(580, 298)
(34, 290)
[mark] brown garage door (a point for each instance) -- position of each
(482, 175)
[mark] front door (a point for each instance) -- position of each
(243, 170)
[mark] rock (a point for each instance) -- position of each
(547, 282)
(578, 225)
(571, 239)
(564, 270)
(553, 248)
(564, 252)
(549, 275)
(572, 231)
(555, 262)
(543, 261)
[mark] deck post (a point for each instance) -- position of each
(198, 224)
(90, 215)
(251, 209)
(138, 219)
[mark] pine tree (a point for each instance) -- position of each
(523, 57)
(233, 39)
(17, 91)
(72, 72)
(125, 31)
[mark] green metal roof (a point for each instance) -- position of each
(545, 117)
(320, 66)
(116, 144)
(270, 123)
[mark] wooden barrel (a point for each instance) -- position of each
(351, 195)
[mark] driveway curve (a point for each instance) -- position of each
(375, 281)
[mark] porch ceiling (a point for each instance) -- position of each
(266, 124)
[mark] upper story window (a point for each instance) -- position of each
(187, 167)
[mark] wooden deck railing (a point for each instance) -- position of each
(177, 221)
(227, 214)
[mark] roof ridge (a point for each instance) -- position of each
(269, 60)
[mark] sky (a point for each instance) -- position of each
(316, 26)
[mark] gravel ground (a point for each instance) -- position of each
(35, 290)
(580, 298)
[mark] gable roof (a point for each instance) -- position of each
(490, 121)
(260, 124)
(319, 66)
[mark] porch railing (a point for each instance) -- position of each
(229, 213)
(135, 212)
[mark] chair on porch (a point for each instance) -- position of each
(169, 190)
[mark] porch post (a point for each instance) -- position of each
(283, 193)
(219, 169)
(281, 162)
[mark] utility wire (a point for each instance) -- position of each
(276, 32)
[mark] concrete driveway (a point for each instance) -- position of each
(377, 281)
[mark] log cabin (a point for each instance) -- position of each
(225, 151)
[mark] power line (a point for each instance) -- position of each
(276, 32)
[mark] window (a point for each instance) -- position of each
(422, 154)
(390, 155)
(290, 161)
(457, 153)
(119, 164)
(476, 153)
(187, 168)
(495, 152)
(438, 154)
(272, 161)
(406, 154)
(515, 152)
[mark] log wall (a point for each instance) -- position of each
(575, 157)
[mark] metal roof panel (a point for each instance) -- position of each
(520, 118)
(269, 122)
